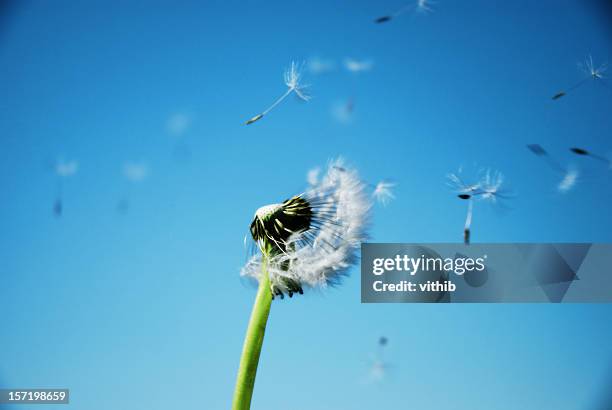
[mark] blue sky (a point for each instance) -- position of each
(146, 309)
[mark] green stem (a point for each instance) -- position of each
(252, 343)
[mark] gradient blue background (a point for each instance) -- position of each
(147, 311)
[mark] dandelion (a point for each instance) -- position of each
(420, 6)
(62, 169)
(292, 81)
(569, 175)
(309, 240)
(383, 192)
(592, 72)
(487, 188)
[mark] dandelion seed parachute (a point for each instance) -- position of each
(383, 192)
(62, 169)
(488, 187)
(292, 79)
(592, 73)
(378, 367)
(311, 239)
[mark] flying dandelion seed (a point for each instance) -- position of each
(383, 192)
(585, 153)
(62, 169)
(569, 175)
(592, 72)
(134, 172)
(420, 6)
(378, 367)
(292, 81)
(308, 240)
(356, 66)
(488, 187)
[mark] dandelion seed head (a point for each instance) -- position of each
(66, 168)
(266, 210)
(383, 192)
(569, 181)
(312, 238)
